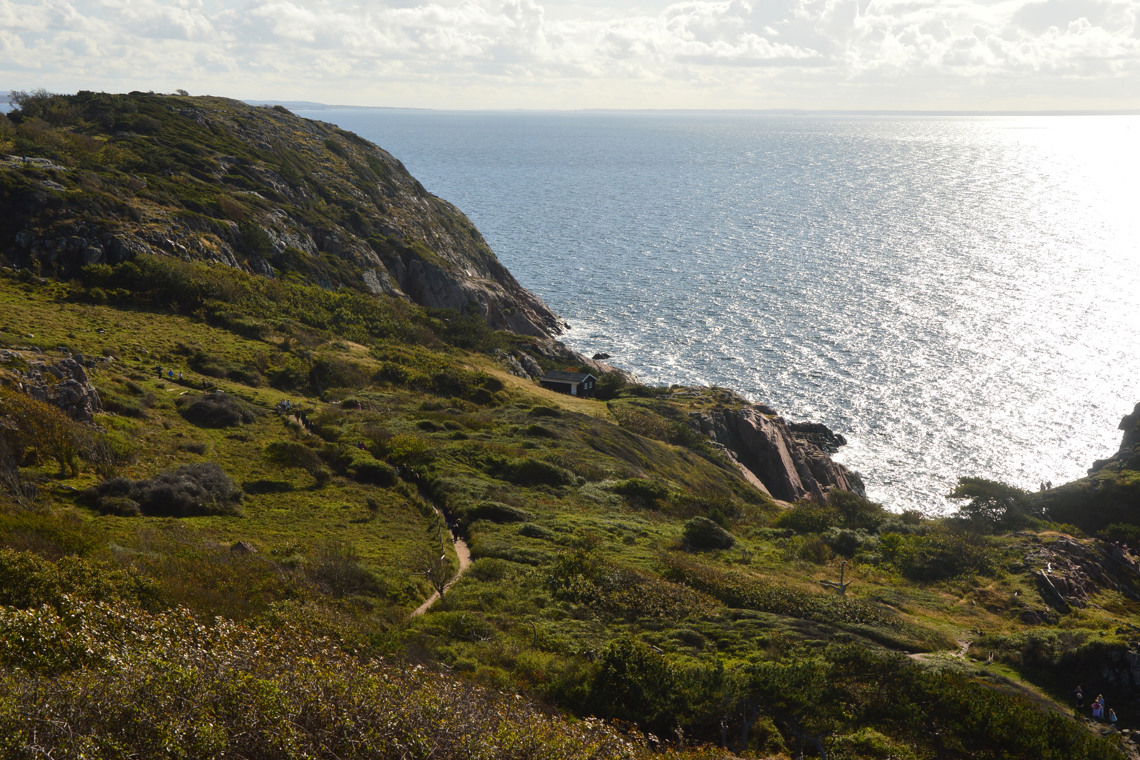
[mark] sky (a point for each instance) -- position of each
(558, 54)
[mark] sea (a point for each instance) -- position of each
(957, 295)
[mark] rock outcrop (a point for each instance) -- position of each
(62, 383)
(1068, 571)
(790, 464)
(1128, 457)
(256, 188)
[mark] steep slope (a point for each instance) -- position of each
(98, 179)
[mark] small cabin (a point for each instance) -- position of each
(574, 383)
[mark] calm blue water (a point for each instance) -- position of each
(956, 295)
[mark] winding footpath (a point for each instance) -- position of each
(464, 555)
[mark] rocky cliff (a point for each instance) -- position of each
(97, 179)
(1109, 495)
(1128, 457)
(790, 460)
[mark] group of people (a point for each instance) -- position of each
(168, 373)
(1100, 711)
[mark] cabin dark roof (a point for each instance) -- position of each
(566, 377)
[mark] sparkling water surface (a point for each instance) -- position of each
(955, 294)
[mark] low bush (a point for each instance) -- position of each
(584, 577)
(216, 410)
(641, 493)
(808, 517)
(373, 472)
(495, 512)
(195, 489)
(702, 533)
(531, 530)
(530, 472)
(294, 454)
(935, 556)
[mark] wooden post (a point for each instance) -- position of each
(843, 583)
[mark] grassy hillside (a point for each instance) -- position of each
(224, 562)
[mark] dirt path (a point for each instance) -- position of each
(959, 653)
(464, 555)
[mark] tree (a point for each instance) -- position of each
(993, 505)
(40, 427)
(436, 566)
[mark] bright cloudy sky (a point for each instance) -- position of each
(813, 54)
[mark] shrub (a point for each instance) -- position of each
(847, 542)
(216, 410)
(196, 489)
(373, 472)
(496, 512)
(531, 530)
(811, 549)
(32, 425)
(335, 372)
(738, 589)
(857, 511)
(294, 454)
(531, 472)
(610, 385)
(337, 568)
(702, 533)
(808, 517)
(936, 556)
(215, 366)
(641, 493)
(122, 506)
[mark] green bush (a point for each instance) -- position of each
(641, 493)
(531, 472)
(935, 556)
(294, 454)
(857, 512)
(195, 489)
(702, 533)
(495, 512)
(373, 472)
(808, 517)
(216, 410)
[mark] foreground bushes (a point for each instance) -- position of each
(837, 701)
(83, 678)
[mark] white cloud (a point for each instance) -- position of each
(823, 53)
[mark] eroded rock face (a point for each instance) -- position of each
(791, 465)
(1068, 571)
(63, 383)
